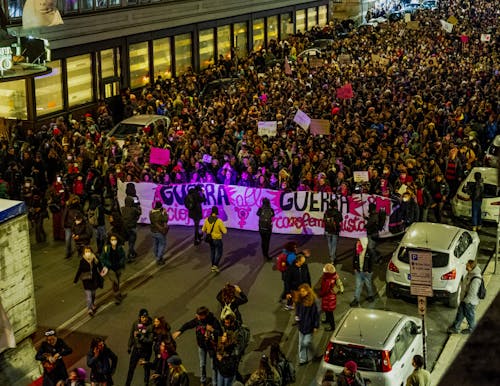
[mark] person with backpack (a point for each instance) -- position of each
(208, 330)
(193, 203)
(285, 368)
(214, 228)
(265, 375)
(240, 334)
(131, 213)
(474, 292)
(476, 191)
(332, 220)
(158, 218)
(266, 214)
(289, 250)
(231, 297)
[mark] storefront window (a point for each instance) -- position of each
(70, 6)
(162, 57)
(322, 15)
(108, 63)
(206, 47)
(300, 20)
(240, 39)
(312, 14)
(13, 100)
(79, 69)
(139, 64)
(258, 34)
(224, 41)
(15, 8)
(286, 25)
(49, 90)
(272, 28)
(86, 5)
(183, 53)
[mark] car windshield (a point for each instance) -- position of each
(439, 259)
(366, 359)
(125, 129)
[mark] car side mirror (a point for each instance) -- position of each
(416, 330)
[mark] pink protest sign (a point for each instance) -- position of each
(159, 156)
(345, 92)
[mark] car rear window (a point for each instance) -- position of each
(125, 129)
(490, 191)
(366, 359)
(439, 259)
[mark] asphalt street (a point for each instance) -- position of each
(176, 289)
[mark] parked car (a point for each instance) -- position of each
(136, 125)
(218, 86)
(461, 203)
(493, 153)
(451, 248)
(382, 343)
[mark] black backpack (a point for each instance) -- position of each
(189, 202)
(266, 219)
(286, 370)
(481, 292)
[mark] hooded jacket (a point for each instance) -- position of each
(130, 213)
(159, 220)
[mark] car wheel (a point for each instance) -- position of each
(390, 293)
(454, 299)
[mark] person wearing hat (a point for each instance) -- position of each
(331, 285)
(140, 345)
(177, 375)
(350, 375)
(332, 220)
(214, 228)
(51, 354)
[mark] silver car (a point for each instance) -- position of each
(382, 343)
(136, 125)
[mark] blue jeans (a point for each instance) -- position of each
(305, 345)
(467, 311)
(132, 237)
(216, 251)
(90, 298)
(476, 213)
(68, 239)
(332, 245)
(159, 245)
(203, 354)
(224, 381)
(363, 278)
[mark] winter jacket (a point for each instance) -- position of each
(295, 276)
(69, 215)
(307, 315)
(332, 221)
(357, 380)
(89, 274)
(214, 226)
(130, 213)
(367, 265)
(113, 259)
(103, 366)
(143, 340)
(159, 220)
(472, 286)
(266, 214)
(84, 232)
(239, 299)
(328, 297)
(410, 211)
(204, 338)
(59, 372)
(197, 199)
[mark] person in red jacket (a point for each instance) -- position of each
(331, 285)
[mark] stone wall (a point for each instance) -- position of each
(18, 365)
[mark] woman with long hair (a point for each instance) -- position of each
(89, 272)
(161, 333)
(265, 373)
(232, 295)
(307, 316)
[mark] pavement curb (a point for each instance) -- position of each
(456, 342)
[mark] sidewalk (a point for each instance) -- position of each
(456, 341)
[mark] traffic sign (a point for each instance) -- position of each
(421, 273)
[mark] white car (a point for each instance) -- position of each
(461, 203)
(136, 125)
(382, 343)
(451, 248)
(493, 153)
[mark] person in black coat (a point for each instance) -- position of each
(51, 354)
(140, 345)
(89, 272)
(295, 275)
(81, 233)
(193, 203)
(266, 214)
(233, 296)
(102, 362)
(208, 330)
